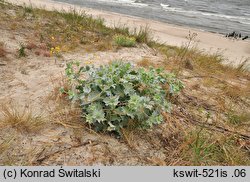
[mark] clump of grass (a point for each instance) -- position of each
(21, 51)
(169, 51)
(207, 62)
(238, 118)
(188, 56)
(235, 92)
(125, 41)
(22, 120)
(244, 66)
(143, 35)
(146, 63)
(73, 16)
(202, 147)
(121, 29)
(81, 18)
(82, 30)
(28, 9)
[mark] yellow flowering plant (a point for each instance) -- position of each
(55, 51)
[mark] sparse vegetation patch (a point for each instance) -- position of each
(124, 41)
(21, 51)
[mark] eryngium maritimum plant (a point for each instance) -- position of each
(113, 95)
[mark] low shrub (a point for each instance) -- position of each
(115, 94)
(125, 41)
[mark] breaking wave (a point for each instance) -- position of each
(126, 2)
(243, 20)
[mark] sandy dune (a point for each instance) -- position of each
(234, 51)
(30, 85)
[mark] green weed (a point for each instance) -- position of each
(21, 51)
(28, 9)
(206, 148)
(124, 41)
(238, 119)
(143, 35)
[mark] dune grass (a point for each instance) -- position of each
(81, 30)
(124, 41)
(238, 118)
(23, 120)
(202, 147)
(21, 51)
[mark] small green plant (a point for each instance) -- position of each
(125, 41)
(115, 94)
(143, 35)
(203, 147)
(28, 9)
(21, 51)
(238, 119)
(76, 17)
(121, 29)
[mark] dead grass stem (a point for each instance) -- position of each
(22, 120)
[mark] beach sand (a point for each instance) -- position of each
(234, 51)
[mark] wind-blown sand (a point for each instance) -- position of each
(234, 51)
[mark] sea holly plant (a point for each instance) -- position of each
(113, 95)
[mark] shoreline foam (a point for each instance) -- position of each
(234, 51)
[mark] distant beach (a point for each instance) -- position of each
(218, 16)
(234, 51)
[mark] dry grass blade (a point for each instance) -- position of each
(68, 117)
(128, 136)
(22, 120)
(5, 144)
(145, 62)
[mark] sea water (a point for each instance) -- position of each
(219, 16)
